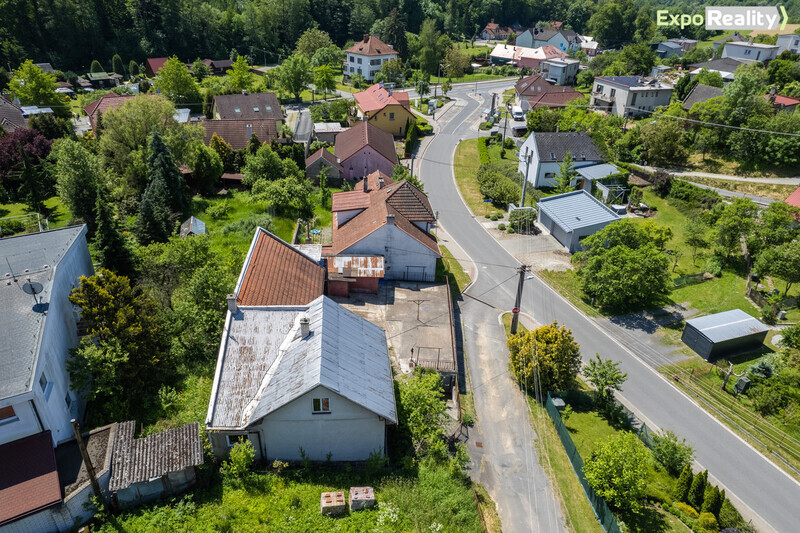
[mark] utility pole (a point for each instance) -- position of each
(86, 459)
(515, 313)
(528, 157)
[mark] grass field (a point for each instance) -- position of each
(465, 164)
(56, 216)
(449, 267)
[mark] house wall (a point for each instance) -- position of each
(59, 336)
(148, 491)
(368, 159)
(369, 285)
(26, 423)
(338, 288)
(563, 74)
(349, 432)
(367, 66)
(397, 125)
(404, 256)
(747, 52)
(570, 239)
(644, 100)
(789, 42)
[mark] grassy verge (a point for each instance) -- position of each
(722, 164)
(567, 284)
(449, 268)
(479, 76)
(487, 509)
(465, 166)
(766, 190)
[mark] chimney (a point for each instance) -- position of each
(232, 307)
(305, 327)
(390, 220)
(366, 37)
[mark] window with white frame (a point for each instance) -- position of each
(320, 406)
(46, 386)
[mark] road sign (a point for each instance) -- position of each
(515, 310)
(486, 200)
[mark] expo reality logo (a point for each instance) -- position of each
(728, 18)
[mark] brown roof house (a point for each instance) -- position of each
(535, 91)
(320, 159)
(387, 218)
(153, 64)
(363, 149)
(103, 104)
(298, 374)
(247, 106)
(495, 32)
(11, 116)
(237, 132)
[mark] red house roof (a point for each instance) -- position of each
(323, 153)
(154, 64)
(28, 477)
(794, 198)
(104, 103)
(350, 141)
(276, 273)
(784, 100)
(375, 98)
(370, 45)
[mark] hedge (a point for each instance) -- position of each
(483, 151)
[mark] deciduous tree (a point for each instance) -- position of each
(78, 177)
(239, 76)
(546, 358)
(617, 471)
(178, 85)
(34, 87)
(312, 40)
(295, 75)
(782, 261)
(606, 376)
(324, 79)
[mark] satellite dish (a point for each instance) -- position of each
(32, 287)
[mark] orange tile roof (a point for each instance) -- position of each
(105, 103)
(554, 99)
(276, 273)
(237, 133)
(375, 98)
(345, 201)
(794, 198)
(370, 45)
(29, 479)
(784, 100)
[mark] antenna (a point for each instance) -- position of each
(33, 288)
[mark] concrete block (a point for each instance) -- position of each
(361, 498)
(332, 503)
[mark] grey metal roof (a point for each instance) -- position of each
(193, 226)
(265, 364)
(137, 460)
(700, 93)
(576, 209)
(727, 325)
(596, 172)
(33, 256)
(579, 144)
(344, 353)
(725, 64)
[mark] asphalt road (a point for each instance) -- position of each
(771, 495)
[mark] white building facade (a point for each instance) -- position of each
(629, 95)
(751, 51)
(367, 56)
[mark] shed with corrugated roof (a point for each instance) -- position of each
(726, 333)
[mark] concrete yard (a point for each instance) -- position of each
(417, 320)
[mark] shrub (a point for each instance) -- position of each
(762, 369)
(662, 183)
(767, 400)
(483, 151)
(791, 337)
(523, 221)
(510, 230)
(681, 491)
(240, 459)
(494, 217)
(698, 489)
(729, 516)
(485, 126)
(10, 227)
(220, 210)
(509, 144)
(712, 500)
(707, 522)
(686, 509)
(714, 266)
(501, 227)
(673, 453)
(247, 226)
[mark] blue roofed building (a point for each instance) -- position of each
(573, 216)
(629, 95)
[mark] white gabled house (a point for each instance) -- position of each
(547, 151)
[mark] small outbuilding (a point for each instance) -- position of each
(193, 226)
(572, 216)
(730, 332)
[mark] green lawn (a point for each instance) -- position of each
(466, 163)
(449, 267)
(429, 499)
(478, 76)
(475, 51)
(56, 216)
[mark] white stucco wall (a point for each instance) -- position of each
(405, 257)
(365, 68)
(26, 423)
(753, 53)
(349, 432)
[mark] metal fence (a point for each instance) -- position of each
(601, 510)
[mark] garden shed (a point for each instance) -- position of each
(572, 216)
(730, 332)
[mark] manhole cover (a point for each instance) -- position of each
(479, 444)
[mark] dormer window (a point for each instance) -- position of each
(553, 155)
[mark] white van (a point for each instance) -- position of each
(516, 113)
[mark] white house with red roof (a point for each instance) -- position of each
(366, 57)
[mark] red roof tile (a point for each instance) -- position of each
(354, 139)
(794, 198)
(28, 477)
(154, 64)
(370, 45)
(275, 273)
(533, 85)
(346, 201)
(375, 98)
(555, 99)
(323, 153)
(784, 100)
(105, 103)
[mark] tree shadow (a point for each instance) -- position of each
(649, 520)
